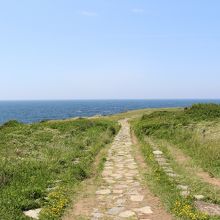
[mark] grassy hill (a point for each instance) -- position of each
(193, 129)
(41, 164)
(189, 140)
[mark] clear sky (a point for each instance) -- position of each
(109, 49)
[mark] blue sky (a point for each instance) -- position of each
(109, 49)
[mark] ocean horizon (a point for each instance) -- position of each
(30, 111)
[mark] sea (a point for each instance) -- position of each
(35, 111)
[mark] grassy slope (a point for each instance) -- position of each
(55, 154)
(35, 157)
(193, 130)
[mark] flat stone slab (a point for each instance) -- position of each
(121, 186)
(144, 210)
(117, 191)
(172, 175)
(199, 197)
(115, 210)
(208, 208)
(97, 215)
(157, 152)
(110, 181)
(120, 202)
(183, 187)
(127, 214)
(136, 198)
(34, 213)
(103, 192)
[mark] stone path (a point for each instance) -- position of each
(203, 206)
(121, 195)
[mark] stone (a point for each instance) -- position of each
(115, 210)
(199, 197)
(121, 186)
(51, 188)
(172, 175)
(208, 208)
(34, 213)
(117, 191)
(133, 192)
(136, 198)
(110, 181)
(127, 214)
(97, 215)
(120, 202)
(144, 210)
(184, 193)
(103, 192)
(183, 187)
(117, 176)
(168, 170)
(107, 173)
(157, 152)
(161, 160)
(135, 184)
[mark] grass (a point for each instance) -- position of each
(194, 130)
(41, 164)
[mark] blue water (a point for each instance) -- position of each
(33, 111)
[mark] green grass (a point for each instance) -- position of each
(189, 129)
(41, 164)
(195, 131)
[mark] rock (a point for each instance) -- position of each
(115, 210)
(34, 213)
(103, 192)
(117, 191)
(144, 210)
(97, 215)
(107, 173)
(120, 202)
(184, 193)
(121, 186)
(108, 180)
(199, 197)
(168, 170)
(157, 152)
(183, 187)
(51, 188)
(126, 214)
(161, 160)
(172, 175)
(136, 198)
(208, 208)
(76, 161)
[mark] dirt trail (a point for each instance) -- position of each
(121, 194)
(185, 160)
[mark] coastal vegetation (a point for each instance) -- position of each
(189, 139)
(42, 164)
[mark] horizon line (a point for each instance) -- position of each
(109, 99)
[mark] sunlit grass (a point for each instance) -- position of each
(41, 163)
